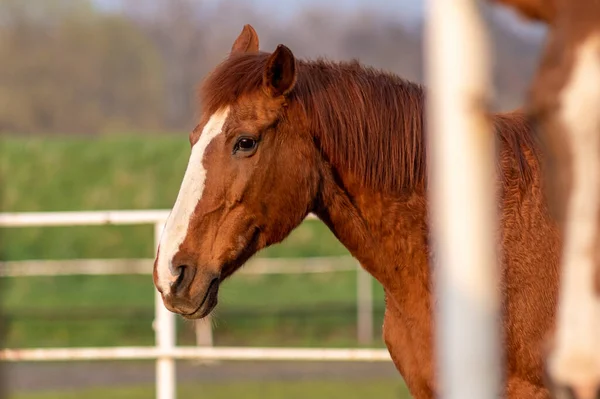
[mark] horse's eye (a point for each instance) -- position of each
(245, 144)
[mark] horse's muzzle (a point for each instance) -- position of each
(192, 296)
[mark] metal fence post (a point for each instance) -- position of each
(164, 326)
(364, 306)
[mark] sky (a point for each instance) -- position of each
(411, 8)
(406, 11)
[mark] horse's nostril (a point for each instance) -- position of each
(183, 279)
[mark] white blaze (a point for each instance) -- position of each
(189, 195)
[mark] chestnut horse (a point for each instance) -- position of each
(279, 138)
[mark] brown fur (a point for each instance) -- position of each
(536, 10)
(344, 101)
(347, 143)
(570, 23)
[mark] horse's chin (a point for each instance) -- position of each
(228, 268)
(208, 304)
(200, 313)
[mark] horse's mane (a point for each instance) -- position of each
(366, 121)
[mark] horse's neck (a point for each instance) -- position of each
(386, 233)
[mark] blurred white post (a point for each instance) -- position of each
(203, 330)
(364, 306)
(164, 325)
(463, 205)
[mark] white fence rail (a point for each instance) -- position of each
(166, 351)
(256, 266)
(215, 353)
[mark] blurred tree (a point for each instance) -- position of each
(175, 30)
(76, 72)
(42, 11)
(69, 67)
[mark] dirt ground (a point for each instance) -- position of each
(21, 377)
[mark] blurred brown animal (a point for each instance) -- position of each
(564, 104)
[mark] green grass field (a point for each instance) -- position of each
(273, 310)
(380, 389)
(135, 172)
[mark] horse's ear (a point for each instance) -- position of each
(280, 73)
(247, 41)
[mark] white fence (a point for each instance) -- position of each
(256, 266)
(166, 351)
